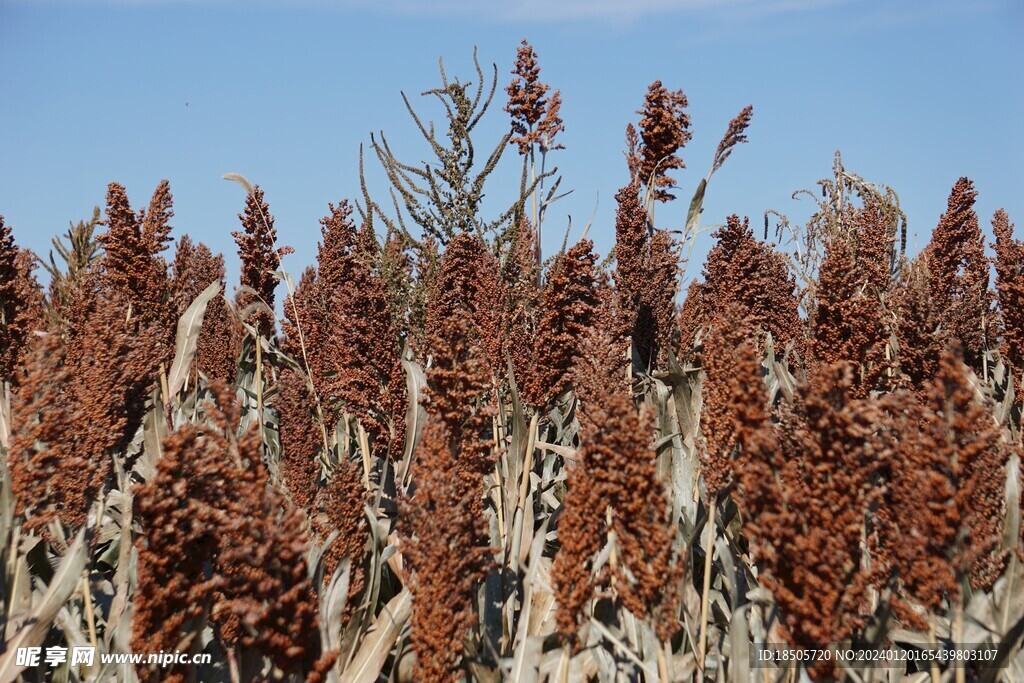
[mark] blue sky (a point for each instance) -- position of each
(915, 94)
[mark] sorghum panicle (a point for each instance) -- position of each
(21, 304)
(469, 280)
(917, 327)
(919, 523)
(976, 445)
(305, 330)
(806, 487)
(535, 118)
(691, 317)
(339, 506)
(365, 344)
(195, 268)
(743, 270)
(267, 601)
(221, 543)
(445, 510)
(941, 519)
(733, 398)
(959, 271)
(131, 263)
(301, 439)
(439, 517)
(115, 362)
(614, 493)
(567, 311)
(180, 512)
(351, 344)
(664, 130)
(849, 321)
(260, 256)
(1010, 290)
(51, 476)
(647, 275)
(735, 134)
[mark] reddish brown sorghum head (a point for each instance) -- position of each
(656, 322)
(942, 515)
(979, 453)
(647, 275)
(301, 438)
(114, 361)
(631, 237)
(458, 391)
(267, 601)
(220, 543)
(522, 274)
(919, 523)
(733, 399)
(334, 504)
(489, 308)
(1010, 289)
(361, 342)
(257, 248)
(806, 487)
(735, 134)
(439, 519)
(180, 512)
(520, 269)
(603, 367)
(337, 247)
(469, 280)
(612, 316)
(122, 242)
(131, 264)
(100, 381)
(743, 270)
(194, 269)
(445, 510)
(426, 264)
(615, 496)
(340, 507)
(664, 130)
(874, 239)
(344, 311)
(848, 322)
(917, 327)
(567, 311)
(958, 271)
(551, 125)
(21, 303)
(51, 477)
(156, 226)
(692, 318)
(305, 331)
(535, 117)
(396, 267)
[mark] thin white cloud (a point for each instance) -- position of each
(517, 10)
(639, 9)
(723, 13)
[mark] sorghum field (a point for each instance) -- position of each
(443, 455)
